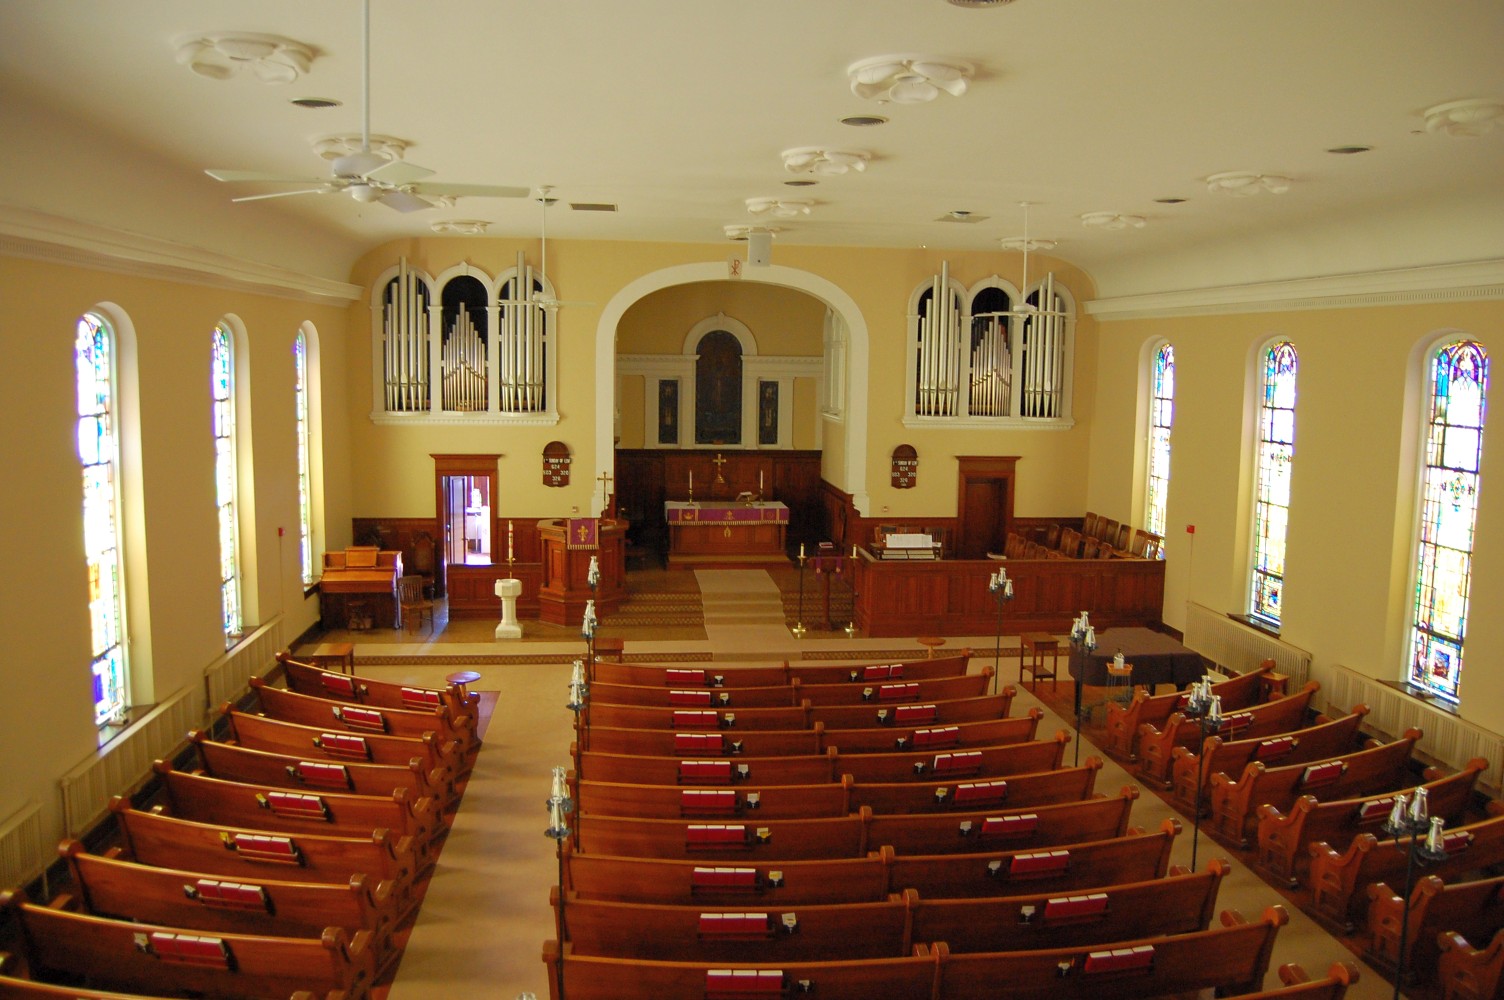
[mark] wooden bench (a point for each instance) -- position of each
(1179, 903)
(1468, 973)
(1474, 909)
(936, 736)
(1234, 957)
(238, 763)
(794, 692)
(106, 886)
(895, 689)
(1339, 880)
(246, 855)
(310, 679)
(1070, 784)
(1156, 747)
(722, 743)
(63, 946)
(1379, 768)
(1123, 721)
(734, 676)
(856, 834)
(289, 706)
(664, 801)
(1282, 838)
(610, 716)
(1134, 857)
(1325, 738)
(969, 762)
(204, 799)
(1298, 985)
(696, 716)
(978, 708)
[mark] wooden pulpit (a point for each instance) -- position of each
(566, 563)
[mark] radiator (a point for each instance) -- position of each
(1448, 740)
(124, 762)
(25, 851)
(1240, 648)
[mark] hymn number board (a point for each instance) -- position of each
(905, 467)
(556, 464)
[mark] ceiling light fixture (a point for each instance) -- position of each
(1245, 183)
(1113, 220)
(817, 160)
(1350, 150)
(778, 208)
(739, 232)
(908, 79)
(864, 121)
(271, 58)
(388, 147)
(461, 227)
(1464, 118)
(316, 103)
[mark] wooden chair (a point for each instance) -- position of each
(414, 605)
(423, 562)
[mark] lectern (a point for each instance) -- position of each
(564, 590)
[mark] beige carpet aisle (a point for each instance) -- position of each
(744, 611)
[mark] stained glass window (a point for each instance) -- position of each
(305, 479)
(222, 380)
(1161, 416)
(1458, 383)
(1271, 504)
(98, 451)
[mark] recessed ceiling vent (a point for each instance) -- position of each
(978, 4)
(961, 215)
(592, 206)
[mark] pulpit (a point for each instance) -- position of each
(566, 562)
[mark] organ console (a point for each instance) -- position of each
(360, 573)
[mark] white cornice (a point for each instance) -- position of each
(1464, 282)
(39, 236)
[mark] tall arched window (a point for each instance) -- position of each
(1271, 502)
(1161, 417)
(305, 451)
(99, 453)
(226, 480)
(1457, 389)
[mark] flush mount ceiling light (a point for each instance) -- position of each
(908, 79)
(1245, 184)
(1026, 244)
(779, 208)
(271, 58)
(388, 147)
(1464, 118)
(742, 232)
(1113, 220)
(815, 160)
(460, 227)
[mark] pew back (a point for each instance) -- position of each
(1156, 746)
(1146, 707)
(263, 767)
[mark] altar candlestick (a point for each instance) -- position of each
(691, 480)
(801, 550)
(509, 541)
(759, 483)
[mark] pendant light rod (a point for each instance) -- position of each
(365, 82)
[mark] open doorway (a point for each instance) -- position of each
(467, 519)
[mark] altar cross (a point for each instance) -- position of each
(719, 461)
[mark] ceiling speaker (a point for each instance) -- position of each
(759, 249)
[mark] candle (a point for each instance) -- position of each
(853, 552)
(509, 541)
(691, 480)
(801, 550)
(759, 481)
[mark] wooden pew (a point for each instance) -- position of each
(879, 692)
(1379, 768)
(943, 736)
(699, 744)
(965, 763)
(1134, 857)
(927, 713)
(1123, 721)
(204, 799)
(612, 798)
(14, 988)
(106, 886)
(306, 710)
(1283, 839)
(1338, 880)
(854, 835)
(801, 716)
(1156, 747)
(441, 760)
(896, 690)
(1474, 909)
(1176, 904)
(119, 955)
(733, 676)
(1068, 784)
(238, 763)
(1468, 973)
(247, 855)
(1234, 956)
(305, 678)
(1325, 738)
(1298, 985)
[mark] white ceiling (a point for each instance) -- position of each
(676, 111)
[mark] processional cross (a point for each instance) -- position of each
(719, 461)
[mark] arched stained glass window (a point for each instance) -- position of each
(1271, 502)
(305, 476)
(226, 482)
(99, 454)
(1458, 389)
(1161, 417)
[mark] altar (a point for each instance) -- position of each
(701, 532)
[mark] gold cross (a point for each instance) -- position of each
(605, 480)
(719, 461)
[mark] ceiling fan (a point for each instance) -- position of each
(368, 176)
(541, 299)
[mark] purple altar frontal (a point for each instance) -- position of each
(773, 512)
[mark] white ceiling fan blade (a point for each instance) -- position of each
(402, 201)
(398, 173)
(474, 190)
(879, 72)
(255, 175)
(284, 194)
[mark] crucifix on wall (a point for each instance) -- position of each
(719, 461)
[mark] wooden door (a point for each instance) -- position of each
(985, 498)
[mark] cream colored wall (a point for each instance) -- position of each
(786, 322)
(45, 716)
(1354, 480)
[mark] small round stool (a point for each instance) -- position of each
(932, 642)
(459, 679)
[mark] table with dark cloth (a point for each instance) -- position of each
(1156, 659)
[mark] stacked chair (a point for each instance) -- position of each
(833, 831)
(285, 856)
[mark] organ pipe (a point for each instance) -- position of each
(405, 342)
(464, 365)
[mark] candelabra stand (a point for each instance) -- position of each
(1206, 709)
(588, 623)
(1084, 642)
(579, 698)
(1411, 819)
(559, 806)
(1001, 589)
(798, 628)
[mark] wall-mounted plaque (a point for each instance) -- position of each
(905, 467)
(556, 464)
